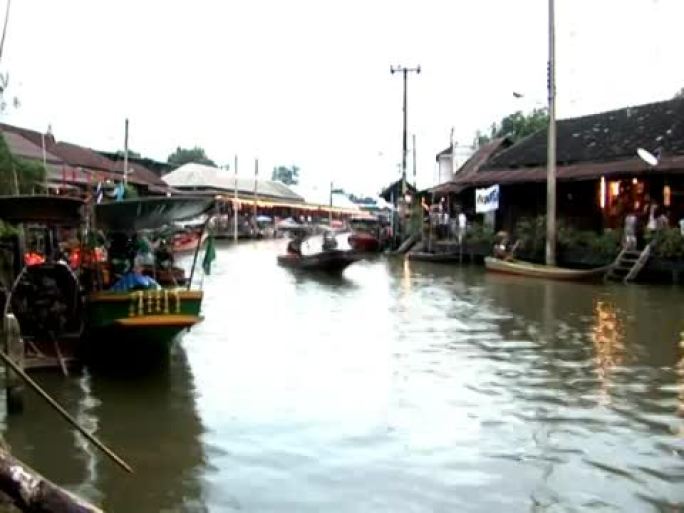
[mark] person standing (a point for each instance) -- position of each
(630, 242)
(462, 226)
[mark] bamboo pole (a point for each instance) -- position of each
(56, 406)
(197, 250)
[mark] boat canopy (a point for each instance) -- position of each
(149, 213)
(41, 209)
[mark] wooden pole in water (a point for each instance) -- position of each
(197, 250)
(551, 155)
(235, 203)
(331, 206)
(13, 346)
(56, 406)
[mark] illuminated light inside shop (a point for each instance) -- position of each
(602, 193)
(634, 181)
(667, 195)
(614, 188)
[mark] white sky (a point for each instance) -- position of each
(308, 82)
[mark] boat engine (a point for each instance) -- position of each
(46, 301)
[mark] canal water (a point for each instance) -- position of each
(412, 388)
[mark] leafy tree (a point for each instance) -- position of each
(132, 154)
(18, 175)
(515, 126)
(680, 93)
(287, 175)
(185, 155)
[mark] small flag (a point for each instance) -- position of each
(209, 255)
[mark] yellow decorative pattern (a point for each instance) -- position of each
(153, 298)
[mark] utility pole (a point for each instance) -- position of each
(415, 182)
(551, 155)
(125, 168)
(405, 71)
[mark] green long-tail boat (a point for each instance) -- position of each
(135, 324)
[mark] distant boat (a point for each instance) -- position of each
(365, 234)
(332, 261)
(531, 270)
(187, 241)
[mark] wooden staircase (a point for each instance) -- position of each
(628, 264)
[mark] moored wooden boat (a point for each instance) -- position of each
(333, 261)
(531, 270)
(139, 323)
(133, 325)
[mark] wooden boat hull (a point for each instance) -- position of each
(334, 261)
(520, 268)
(364, 242)
(138, 325)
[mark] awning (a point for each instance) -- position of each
(149, 213)
(41, 209)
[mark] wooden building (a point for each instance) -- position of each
(600, 177)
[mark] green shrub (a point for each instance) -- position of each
(667, 243)
(478, 233)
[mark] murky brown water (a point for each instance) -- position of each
(396, 388)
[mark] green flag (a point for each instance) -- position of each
(209, 255)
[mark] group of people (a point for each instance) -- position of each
(648, 221)
(444, 226)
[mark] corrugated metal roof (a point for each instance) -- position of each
(199, 177)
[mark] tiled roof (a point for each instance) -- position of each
(21, 147)
(606, 136)
(76, 157)
(201, 177)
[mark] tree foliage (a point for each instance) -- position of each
(515, 126)
(131, 154)
(18, 176)
(287, 175)
(680, 93)
(185, 155)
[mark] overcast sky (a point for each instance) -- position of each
(309, 83)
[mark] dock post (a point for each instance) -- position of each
(14, 347)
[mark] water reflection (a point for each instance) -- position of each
(152, 422)
(608, 337)
(149, 420)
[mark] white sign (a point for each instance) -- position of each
(487, 200)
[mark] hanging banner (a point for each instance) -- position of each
(486, 200)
